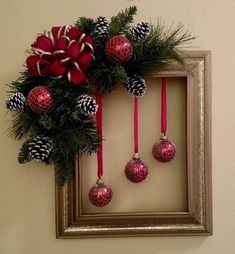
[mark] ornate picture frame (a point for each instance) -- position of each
(71, 222)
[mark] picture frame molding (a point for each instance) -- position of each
(71, 222)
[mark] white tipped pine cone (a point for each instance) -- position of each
(140, 31)
(136, 85)
(87, 104)
(16, 102)
(40, 148)
(101, 27)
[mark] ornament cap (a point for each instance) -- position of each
(136, 156)
(163, 137)
(100, 181)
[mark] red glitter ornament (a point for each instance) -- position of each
(100, 194)
(119, 48)
(136, 170)
(39, 99)
(164, 150)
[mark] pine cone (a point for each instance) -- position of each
(16, 102)
(40, 148)
(87, 104)
(140, 31)
(101, 27)
(136, 85)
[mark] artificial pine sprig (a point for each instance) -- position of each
(64, 170)
(70, 130)
(69, 127)
(85, 24)
(23, 156)
(159, 48)
(121, 22)
(107, 76)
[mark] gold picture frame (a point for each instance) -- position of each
(197, 220)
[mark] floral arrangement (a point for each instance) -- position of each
(54, 98)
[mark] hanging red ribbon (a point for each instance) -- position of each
(163, 108)
(136, 121)
(99, 126)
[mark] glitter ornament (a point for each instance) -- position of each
(39, 99)
(136, 170)
(100, 194)
(164, 150)
(119, 49)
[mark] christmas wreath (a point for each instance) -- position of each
(54, 98)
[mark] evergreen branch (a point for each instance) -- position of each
(158, 49)
(121, 22)
(20, 125)
(85, 24)
(70, 130)
(64, 170)
(81, 137)
(108, 76)
(89, 138)
(23, 156)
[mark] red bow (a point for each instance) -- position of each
(65, 51)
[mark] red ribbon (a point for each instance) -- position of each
(64, 52)
(136, 127)
(163, 108)
(99, 126)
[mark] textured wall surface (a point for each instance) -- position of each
(27, 223)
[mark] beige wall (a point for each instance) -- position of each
(27, 192)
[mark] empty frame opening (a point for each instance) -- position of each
(165, 188)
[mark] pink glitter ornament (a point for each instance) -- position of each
(164, 150)
(100, 194)
(136, 170)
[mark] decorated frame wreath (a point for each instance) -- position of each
(67, 67)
